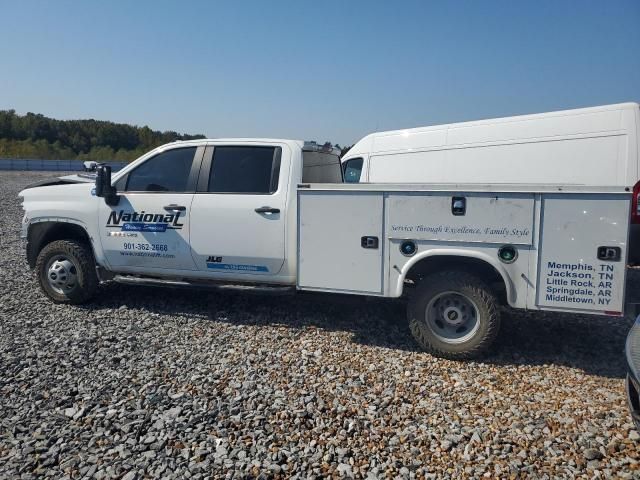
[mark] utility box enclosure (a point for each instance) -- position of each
(332, 227)
(486, 217)
(583, 252)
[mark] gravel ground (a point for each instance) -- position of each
(149, 383)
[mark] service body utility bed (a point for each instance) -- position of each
(570, 242)
(262, 212)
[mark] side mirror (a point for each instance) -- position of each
(104, 188)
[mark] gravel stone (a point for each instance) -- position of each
(164, 383)
(593, 454)
(70, 412)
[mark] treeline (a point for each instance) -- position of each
(36, 136)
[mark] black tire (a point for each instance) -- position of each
(486, 319)
(83, 267)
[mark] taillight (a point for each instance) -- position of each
(635, 204)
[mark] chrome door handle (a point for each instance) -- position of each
(174, 207)
(267, 210)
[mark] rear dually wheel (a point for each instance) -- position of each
(454, 315)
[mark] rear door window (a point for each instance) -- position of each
(245, 169)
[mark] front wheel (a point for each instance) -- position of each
(67, 272)
(454, 315)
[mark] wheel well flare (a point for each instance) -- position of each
(471, 265)
(41, 234)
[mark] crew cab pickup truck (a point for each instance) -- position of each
(275, 212)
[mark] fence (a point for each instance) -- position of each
(49, 165)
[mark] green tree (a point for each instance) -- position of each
(36, 136)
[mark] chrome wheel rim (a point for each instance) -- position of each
(452, 317)
(62, 274)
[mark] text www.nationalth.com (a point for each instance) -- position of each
(147, 254)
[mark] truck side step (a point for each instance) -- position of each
(245, 289)
(133, 280)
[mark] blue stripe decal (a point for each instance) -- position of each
(237, 268)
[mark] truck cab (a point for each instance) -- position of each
(206, 209)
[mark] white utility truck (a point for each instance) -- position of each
(588, 146)
(273, 212)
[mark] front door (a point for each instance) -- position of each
(149, 228)
(238, 214)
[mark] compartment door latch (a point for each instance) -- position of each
(609, 254)
(458, 206)
(369, 242)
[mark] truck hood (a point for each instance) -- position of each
(55, 188)
(65, 180)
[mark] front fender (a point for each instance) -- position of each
(54, 212)
(41, 231)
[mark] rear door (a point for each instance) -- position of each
(239, 211)
(149, 228)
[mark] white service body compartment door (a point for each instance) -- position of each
(488, 217)
(331, 227)
(583, 252)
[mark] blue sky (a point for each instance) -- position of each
(332, 70)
